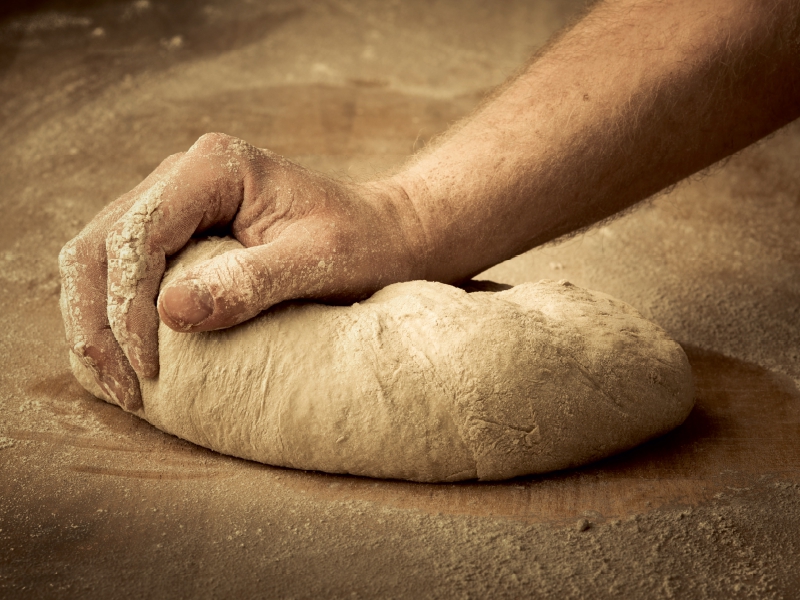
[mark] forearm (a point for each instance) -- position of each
(635, 97)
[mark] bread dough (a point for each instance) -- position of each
(422, 381)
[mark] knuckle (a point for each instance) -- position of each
(171, 159)
(78, 251)
(214, 141)
(68, 254)
(235, 271)
(245, 284)
(235, 151)
(256, 278)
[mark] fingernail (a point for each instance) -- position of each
(130, 402)
(187, 303)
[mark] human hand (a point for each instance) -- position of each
(305, 236)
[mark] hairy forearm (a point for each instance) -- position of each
(632, 99)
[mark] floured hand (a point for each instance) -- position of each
(305, 236)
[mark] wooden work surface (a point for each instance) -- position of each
(744, 428)
(97, 503)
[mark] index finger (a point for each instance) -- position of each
(204, 188)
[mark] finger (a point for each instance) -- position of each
(204, 189)
(237, 285)
(82, 263)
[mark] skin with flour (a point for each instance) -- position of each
(422, 381)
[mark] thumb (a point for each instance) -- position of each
(237, 285)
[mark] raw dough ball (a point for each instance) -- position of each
(423, 381)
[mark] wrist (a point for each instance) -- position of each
(443, 235)
(399, 202)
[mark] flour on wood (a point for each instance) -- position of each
(422, 381)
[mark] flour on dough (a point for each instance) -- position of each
(422, 381)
